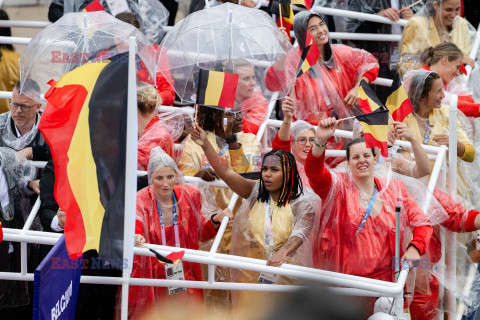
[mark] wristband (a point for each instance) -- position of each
(231, 139)
(213, 221)
(319, 145)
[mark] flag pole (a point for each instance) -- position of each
(280, 10)
(346, 118)
(411, 5)
(130, 176)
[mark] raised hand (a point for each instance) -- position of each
(198, 135)
(325, 130)
(288, 108)
(402, 131)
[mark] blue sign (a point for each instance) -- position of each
(56, 282)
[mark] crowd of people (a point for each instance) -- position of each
(297, 205)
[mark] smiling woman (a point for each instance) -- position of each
(358, 213)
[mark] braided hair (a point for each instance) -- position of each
(292, 186)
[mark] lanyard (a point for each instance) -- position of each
(268, 225)
(427, 133)
(369, 210)
(175, 223)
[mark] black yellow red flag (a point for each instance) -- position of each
(216, 88)
(375, 129)
(367, 99)
(398, 102)
(309, 56)
(84, 123)
(94, 6)
(306, 3)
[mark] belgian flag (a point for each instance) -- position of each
(309, 56)
(375, 129)
(367, 99)
(306, 3)
(84, 123)
(216, 88)
(398, 102)
(94, 6)
(1, 232)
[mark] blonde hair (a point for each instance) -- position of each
(146, 98)
(446, 49)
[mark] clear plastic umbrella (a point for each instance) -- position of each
(233, 39)
(79, 38)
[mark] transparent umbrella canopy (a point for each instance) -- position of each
(228, 38)
(79, 38)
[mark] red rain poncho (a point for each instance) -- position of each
(254, 117)
(193, 227)
(155, 134)
(322, 96)
(368, 253)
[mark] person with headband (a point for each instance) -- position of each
(429, 122)
(151, 132)
(331, 86)
(168, 213)
(248, 99)
(274, 221)
(358, 214)
(437, 22)
(446, 60)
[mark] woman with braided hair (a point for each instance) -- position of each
(275, 220)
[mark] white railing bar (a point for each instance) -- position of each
(32, 215)
(15, 40)
(474, 52)
(23, 24)
(365, 36)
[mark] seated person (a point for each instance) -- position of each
(439, 21)
(151, 132)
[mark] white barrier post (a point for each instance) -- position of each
(130, 175)
(452, 188)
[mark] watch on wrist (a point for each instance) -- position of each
(231, 139)
(213, 221)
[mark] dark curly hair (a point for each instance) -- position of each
(209, 117)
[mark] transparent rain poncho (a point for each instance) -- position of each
(79, 38)
(438, 120)
(17, 171)
(193, 227)
(250, 238)
(428, 28)
(211, 38)
(347, 244)
(10, 139)
(321, 92)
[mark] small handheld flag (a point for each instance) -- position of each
(367, 99)
(309, 56)
(1, 232)
(398, 102)
(375, 129)
(216, 88)
(306, 3)
(172, 258)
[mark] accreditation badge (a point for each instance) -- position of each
(175, 272)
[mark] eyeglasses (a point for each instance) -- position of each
(23, 107)
(303, 140)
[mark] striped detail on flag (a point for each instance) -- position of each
(367, 99)
(306, 3)
(84, 124)
(398, 102)
(216, 88)
(375, 129)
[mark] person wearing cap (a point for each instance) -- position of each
(168, 213)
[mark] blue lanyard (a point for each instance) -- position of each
(427, 133)
(369, 210)
(175, 223)
(380, 159)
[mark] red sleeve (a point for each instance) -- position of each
(250, 127)
(417, 218)
(165, 90)
(421, 238)
(467, 105)
(459, 220)
(318, 175)
(371, 74)
(138, 227)
(278, 143)
(208, 232)
(272, 79)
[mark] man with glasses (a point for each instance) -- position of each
(18, 130)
